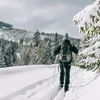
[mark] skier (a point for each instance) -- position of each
(64, 53)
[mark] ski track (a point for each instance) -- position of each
(42, 89)
(29, 91)
(39, 90)
(57, 95)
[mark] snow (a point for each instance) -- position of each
(92, 52)
(86, 84)
(40, 82)
(46, 93)
(79, 16)
(92, 48)
(18, 55)
(92, 91)
(84, 18)
(1, 33)
(17, 78)
(60, 95)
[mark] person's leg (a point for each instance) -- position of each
(61, 74)
(67, 77)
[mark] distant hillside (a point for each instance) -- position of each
(4, 25)
(9, 33)
(31, 47)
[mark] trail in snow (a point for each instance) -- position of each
(60, 95)
(48, 88)
(32, 90)
(23, 79)
(41, 90)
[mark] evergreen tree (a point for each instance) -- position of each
(56, 40)
(37, 48)
(14, 47)
(2, 55)
(47, 58)
(36, 39)
(9, 58)
(89, 24)
(10, 54)
(36, 53)
(25, 55)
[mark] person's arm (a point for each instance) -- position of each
(74, 49)
(57, 50)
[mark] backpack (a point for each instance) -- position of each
(65, 52)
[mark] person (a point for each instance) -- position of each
(64, 53)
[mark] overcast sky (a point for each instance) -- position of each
(44, 15)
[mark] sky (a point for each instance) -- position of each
(45, 15)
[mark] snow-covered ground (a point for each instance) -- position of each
(40, 82)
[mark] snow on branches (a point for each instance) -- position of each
(88, 20)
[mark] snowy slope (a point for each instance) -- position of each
(40, 82)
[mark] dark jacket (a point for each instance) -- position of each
(73, 49)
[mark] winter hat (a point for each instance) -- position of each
(66, 37)
(66, 41)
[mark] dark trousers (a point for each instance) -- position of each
(65, 74)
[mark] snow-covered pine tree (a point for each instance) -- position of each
(24, 59)
(36, 38)
(47, 57)
(37, 48)
(10, 53)
(88, 22)
(9, 57)
(2, 54)
(55, 43)
(36, 53)
(14, 46)
(56, 40)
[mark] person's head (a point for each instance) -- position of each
(66, 39)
